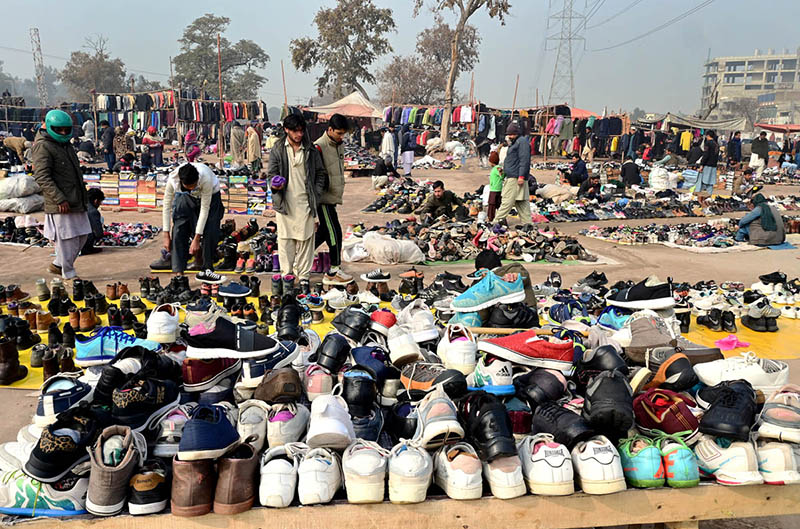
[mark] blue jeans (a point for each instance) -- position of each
(707, 179)
(743, 234)
(110, 159)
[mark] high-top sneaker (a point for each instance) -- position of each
(144, 287)
(41, 289)
(229, 259)
(10, 368)
(288, 284)
(277, 285)
(255, 287)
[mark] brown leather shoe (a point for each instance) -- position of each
(250, 313)
(50, 366)
(10, 368)
(75, 317)
(54, 269)
(122, 288)
(65, 358)
(193, 485)
(43, 321)
(279, 385)
(88, 320)
(13, 293)
(111, 291)
(236, 484)
(30, 317)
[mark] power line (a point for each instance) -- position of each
(589, 14)
(66, 60)
(659, 28)
(618, 13)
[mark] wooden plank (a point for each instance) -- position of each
(707, 502)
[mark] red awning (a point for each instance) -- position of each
(778, 128)
(581, 113)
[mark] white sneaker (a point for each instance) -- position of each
(330, 425)
(252, 423)
(206, 318)
(410, 472)
(162, 324)
(14, 454)
(403, 349)
(418, 318)
(735, 465)
(319, 476)
(457, 471)
(547, 465)
(286, 423)
(317, 381)
(458, 348)
(279, 474)
(504, 475)
(365, 296)
(776, 464)
(307, 345)
(764, 374)
(763, 288)
(789, 311)
(597, 465)
(171, 430)
(437, 423)
(780, 417)
(494, 377)
(364, 465)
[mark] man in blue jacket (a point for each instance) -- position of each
(516, 172)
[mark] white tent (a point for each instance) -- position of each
(355, 105)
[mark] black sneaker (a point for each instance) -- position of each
(210, 277)
(712, 320)
(774, 278)
(732, 411)
(595, 361)
(68, 336)
(487, 425)
(539, 386)
(608, 406)
(671, 368)
(142, 399)
(728, 322)
(513, 316)
(401, 421)
(376, 276)
(287, 324)
(594, 280)
(353, 322)
(567, 427)
(359, 391)
(55, 454)
(649, 293)
(754, 324)
(751, 296)
(149, 488)
(333, 352)
(229, 340)
(114, 316)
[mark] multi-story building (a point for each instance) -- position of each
(768, 84)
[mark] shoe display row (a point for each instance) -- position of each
(115, 235)
(719, 234)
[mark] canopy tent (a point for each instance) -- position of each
(681, 121)
(581, 113)
(778, 128)
(355, 105)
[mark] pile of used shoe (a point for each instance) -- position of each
(217, 413)
(115, 235)
(357, 157)
(444, 239)
(717, 234)
(405, 196)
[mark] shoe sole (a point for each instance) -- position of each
(331, 434)
(33, 472)
(601, 487)
(551, 489)
(514, 297)
(512, 356)
(53, 513)
(368, 280)
(365, 489)
(404, 489)
(209, 282)
(506, 492)
(138, 509)
(781, 433)
(507, 389)
(457, 492)
(194, 455)
(203, 353)
(329, 283)
(652, 304)
(104, 510)
(439, 433)
(192, 510)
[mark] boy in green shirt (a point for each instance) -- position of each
(495, 185)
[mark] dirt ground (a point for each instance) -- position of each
(632, 262)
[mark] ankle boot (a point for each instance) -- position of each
(144, 286)
(276, 262)
(288, 285)
(111, 291)
(128, 319)
(41, 289)
(65, 359)
(54, 336)
(68, 336)
(87, 320)
(65, 305)
(255, 287)
(89, 289)
(10, 368)
(685, 319)
(100, 304)
(140, 330)
(122, 289)
(114, 316)
(77, 290)
(37, 353)
(229, 259)
(25, 338)
(30, 318)
(50, 365)
(277, 285)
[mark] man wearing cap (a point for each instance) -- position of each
(760, 148)
(57, 171)
(516, 171)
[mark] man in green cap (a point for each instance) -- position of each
(57, 171)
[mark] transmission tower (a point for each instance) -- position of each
(38, 64)
(562, 87)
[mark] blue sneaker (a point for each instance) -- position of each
(467, 319)
(103, 345)
(370, 426)
(613, 318)
(641, 462)
(234, 290)
(376, 360)
(59, 393)
(254, 369)
(680, 464)
(489, 291)
(209, 433)
(570, 309)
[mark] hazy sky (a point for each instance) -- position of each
(660, 72)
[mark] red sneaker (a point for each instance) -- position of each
(667, 411)
(382, 320)
(200, 375)
(528, 349)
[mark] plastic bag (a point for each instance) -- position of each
(383, 249)
(659, 179)
(27, 204)
(18, 186)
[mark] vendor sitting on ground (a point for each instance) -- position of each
(590, 188)
(629, 173)
(441, 202)
(95, 198)
(669, 158)
(578, 174)
(741, 183)
(124, 163)
(763, 226)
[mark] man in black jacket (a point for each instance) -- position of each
(760, 148)
(107, 144)
(295, 201)
(709, 161)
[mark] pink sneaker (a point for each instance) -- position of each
(318, 381)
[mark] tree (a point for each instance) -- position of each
(421, 78)
(93, 69)
(196, 65)
(464, 9)
(637, 114)
(140, 84)
(351, 36)
(742, 106)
